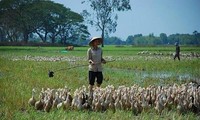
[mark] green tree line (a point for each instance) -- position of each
(44, 21)
(27, 20)
(163, 39)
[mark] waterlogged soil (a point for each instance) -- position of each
(140, 74)
(162, 75)
(166, 75)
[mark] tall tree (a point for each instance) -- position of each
(163, 38)
(9, 21)
(196, 37)
(103, 15)
(18, 17)
(130, 40)
(43, 17)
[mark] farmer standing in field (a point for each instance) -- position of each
(95, 59)
(177, 51)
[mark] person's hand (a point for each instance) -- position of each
(91, 62)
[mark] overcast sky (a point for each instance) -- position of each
(150, 16)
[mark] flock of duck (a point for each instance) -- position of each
(183, 98)
(190, 55)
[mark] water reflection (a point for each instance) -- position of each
(142, 75)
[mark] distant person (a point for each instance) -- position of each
(177, 54)
(95, 60)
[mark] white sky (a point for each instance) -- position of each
(150, 16)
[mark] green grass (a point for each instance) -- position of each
(18, 77)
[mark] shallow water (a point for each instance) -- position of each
(162, 75)
(166, 75)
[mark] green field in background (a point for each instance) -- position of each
(25, 68)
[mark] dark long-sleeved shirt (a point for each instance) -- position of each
(177, 49)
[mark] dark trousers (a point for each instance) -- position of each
(95, 75)
(177, 55)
